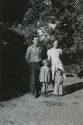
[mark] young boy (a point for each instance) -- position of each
(58, 80)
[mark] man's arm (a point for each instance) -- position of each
(27, 55)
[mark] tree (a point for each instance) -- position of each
(69, 31)
(60, 19)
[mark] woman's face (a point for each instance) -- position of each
(55, 43)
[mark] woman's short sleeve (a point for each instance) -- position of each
(60, 51)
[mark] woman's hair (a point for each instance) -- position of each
(58, 69)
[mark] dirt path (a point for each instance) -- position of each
(65, 110)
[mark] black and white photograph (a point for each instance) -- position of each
(41, 62)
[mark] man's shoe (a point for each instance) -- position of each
(36, 96)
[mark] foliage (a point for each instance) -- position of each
(59, 19)
(70, 28)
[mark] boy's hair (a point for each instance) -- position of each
(58, 69)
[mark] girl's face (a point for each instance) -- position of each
(46, 64)
(55, 44)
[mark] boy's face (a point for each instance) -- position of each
(58, 73)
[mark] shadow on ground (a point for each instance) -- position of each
(14, 71)
(68, 89)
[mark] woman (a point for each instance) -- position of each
(54, 57)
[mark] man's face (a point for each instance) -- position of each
(55, 43)
(35, 40)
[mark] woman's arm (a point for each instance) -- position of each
(49, 55)
(60, 51)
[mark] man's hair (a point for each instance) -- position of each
(35, 37)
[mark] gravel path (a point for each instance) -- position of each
(65, 110)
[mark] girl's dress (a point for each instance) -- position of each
(45, 78)
(45, 74)
(54, 57)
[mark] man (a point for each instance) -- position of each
(33, 57)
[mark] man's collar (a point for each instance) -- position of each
(34, 45)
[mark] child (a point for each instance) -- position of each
(45, 76)
(58, 80)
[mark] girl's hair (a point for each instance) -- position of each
(58, 69)
(44, 61)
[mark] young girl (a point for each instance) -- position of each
(45, 76)
(58, 80)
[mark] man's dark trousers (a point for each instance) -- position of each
(34, 77)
